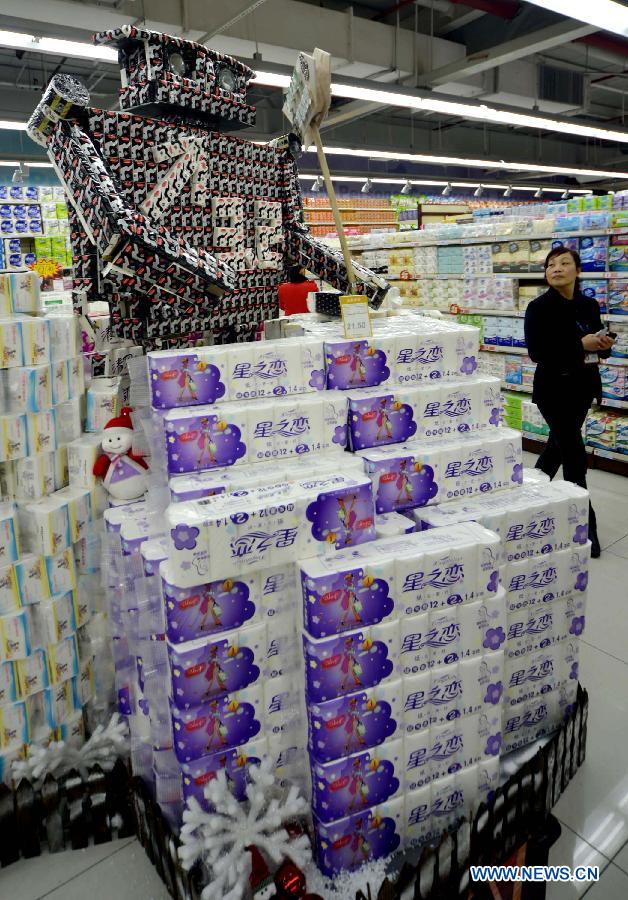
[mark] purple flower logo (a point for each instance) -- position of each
(493, 744)
(340, 435)
(581, 534)
(184, 537)
(493, 582)
(494, 693)
(582, 581)
(317, 379)
(494, 638)
(517, 473)
(577, 625)
(469, 365)
(573, 674)
(496, 416)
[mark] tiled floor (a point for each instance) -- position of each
(593, 812)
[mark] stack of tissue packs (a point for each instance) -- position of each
(402, 351)
(544, 562)
(415, 666)
(415, 474)
(379, 416)
(198, 438)
(404, 668)
(48, 545)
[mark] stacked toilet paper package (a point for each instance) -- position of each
(47, 542)
(396, 602)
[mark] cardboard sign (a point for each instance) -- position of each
(356, 316)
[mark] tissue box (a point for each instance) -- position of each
(536, 674)
(528, 721)
(548, 625)
(211, 667)
(237, 434)
(346, 725)
(268, 526)
(235, 763)
(368, 835)
(340, 665)
(537, 581)
(347, 785)
(446, 636)
(223, 723)
(439, 805)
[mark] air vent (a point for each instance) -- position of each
(560, 85)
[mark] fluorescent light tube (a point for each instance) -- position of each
(604, 14)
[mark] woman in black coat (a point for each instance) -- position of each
(565, 338)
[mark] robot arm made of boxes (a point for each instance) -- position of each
(180, 227)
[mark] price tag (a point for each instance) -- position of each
(356, 316)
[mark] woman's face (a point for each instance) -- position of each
(561, 271)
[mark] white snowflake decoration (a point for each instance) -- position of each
(221, 838)
(103, 748)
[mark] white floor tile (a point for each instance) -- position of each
(30, 879)
(595, 804)
(621, 859)
(620, 548)
(127, 875)
(571, 850)
(606, 620)
(613, 885)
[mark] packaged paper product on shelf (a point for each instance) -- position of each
(392, 524)
(397, 577)
(368, 835)
(226, 480)
(529, 720)
(529, 521)
(531, 630)
(536, 674)
(420, 473)
(271, 525)
(378, 416)
(539, 580)
(236, 434)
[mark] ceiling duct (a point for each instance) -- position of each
(559, 85)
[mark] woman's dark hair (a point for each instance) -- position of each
(295, 275)
(559, 251)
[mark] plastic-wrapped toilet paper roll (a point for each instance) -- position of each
(64, 97)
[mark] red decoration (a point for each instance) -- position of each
(290, 881)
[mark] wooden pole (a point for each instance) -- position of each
(322, 161)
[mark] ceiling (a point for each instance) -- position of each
(500, 52)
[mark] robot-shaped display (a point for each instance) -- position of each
(180, 227)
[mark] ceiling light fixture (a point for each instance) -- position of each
(538, 193)
(480, 111)
(426, 103)
(447, 189)
(317, 184)
(407, 188)
(419, 182)
(367, 187)
(564, 195)
(502, 165)
(604, 14)
(508, 191)
(478, 191)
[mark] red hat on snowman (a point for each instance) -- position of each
(121, 423)
(260, 879)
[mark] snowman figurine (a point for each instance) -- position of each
(260, 880)
(123, 472)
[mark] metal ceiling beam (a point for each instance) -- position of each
(543, 39)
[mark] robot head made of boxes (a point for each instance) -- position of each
(161, 70)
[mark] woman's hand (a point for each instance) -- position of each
(592, 343)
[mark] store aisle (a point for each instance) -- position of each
(593, 812)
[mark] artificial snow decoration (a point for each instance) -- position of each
(103, 748)
(221, 838)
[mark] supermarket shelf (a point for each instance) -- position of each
(531, 439)
(495, 239)
(13, 202)
(611, 318)
(615, 361)
(352, 208)
(521, 351)
(520, 388)
(614, 404)
(361, 222)
(28, 234)
(476, 311)
(611, 454)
